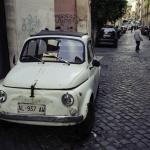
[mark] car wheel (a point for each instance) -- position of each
(86, 126)
(96, 44)
(116, 44)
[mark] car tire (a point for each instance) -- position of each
(85, 128)
(96, 44)
(116, 44)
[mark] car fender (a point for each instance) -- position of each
(86, 101)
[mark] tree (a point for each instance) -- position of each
(106, 10)
(147, 2)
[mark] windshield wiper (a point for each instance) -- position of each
(30, 56)
(63, 60)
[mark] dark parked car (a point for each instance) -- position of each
(123, 29)
(107, 35)
(119, 32)
(149, 33)
(144, 30)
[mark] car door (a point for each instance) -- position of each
(93, 71)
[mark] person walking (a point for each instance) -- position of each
(138, 38)
(131, 29)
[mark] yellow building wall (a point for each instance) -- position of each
(83, 16)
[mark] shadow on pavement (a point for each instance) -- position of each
(37, 136)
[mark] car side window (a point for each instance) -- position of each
(90, 51)
(30, 48)
(42, 47)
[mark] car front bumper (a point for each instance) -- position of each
(37, 118)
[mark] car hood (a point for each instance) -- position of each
(46, 76)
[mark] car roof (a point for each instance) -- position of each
(49, 32)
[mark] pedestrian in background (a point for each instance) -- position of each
(138, 38)
(131, 29)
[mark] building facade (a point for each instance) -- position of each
(145, 12)
(138, 12)
(27, 17)
(128, 13)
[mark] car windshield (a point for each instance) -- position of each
(53, 50)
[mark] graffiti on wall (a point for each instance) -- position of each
(66, 21)
(69, 22)
(30, 24)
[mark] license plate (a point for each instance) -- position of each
(106, 36)
(27, 108)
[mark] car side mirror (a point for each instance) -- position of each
(14, 60)
(96, 63)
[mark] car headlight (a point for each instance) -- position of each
(67, 99)
(3, 96)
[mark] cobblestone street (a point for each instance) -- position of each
(122, 108)
(123, 105)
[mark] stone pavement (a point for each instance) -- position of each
(123, 103)
(122, 108)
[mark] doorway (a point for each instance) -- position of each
(4, 53)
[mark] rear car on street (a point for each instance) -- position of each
(107, 36)
(123, 29)
(54, 82)
(144, 30)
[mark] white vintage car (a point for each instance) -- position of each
(54, 82)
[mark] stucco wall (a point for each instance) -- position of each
(26, 17)
(83, 16)
(10, 9)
